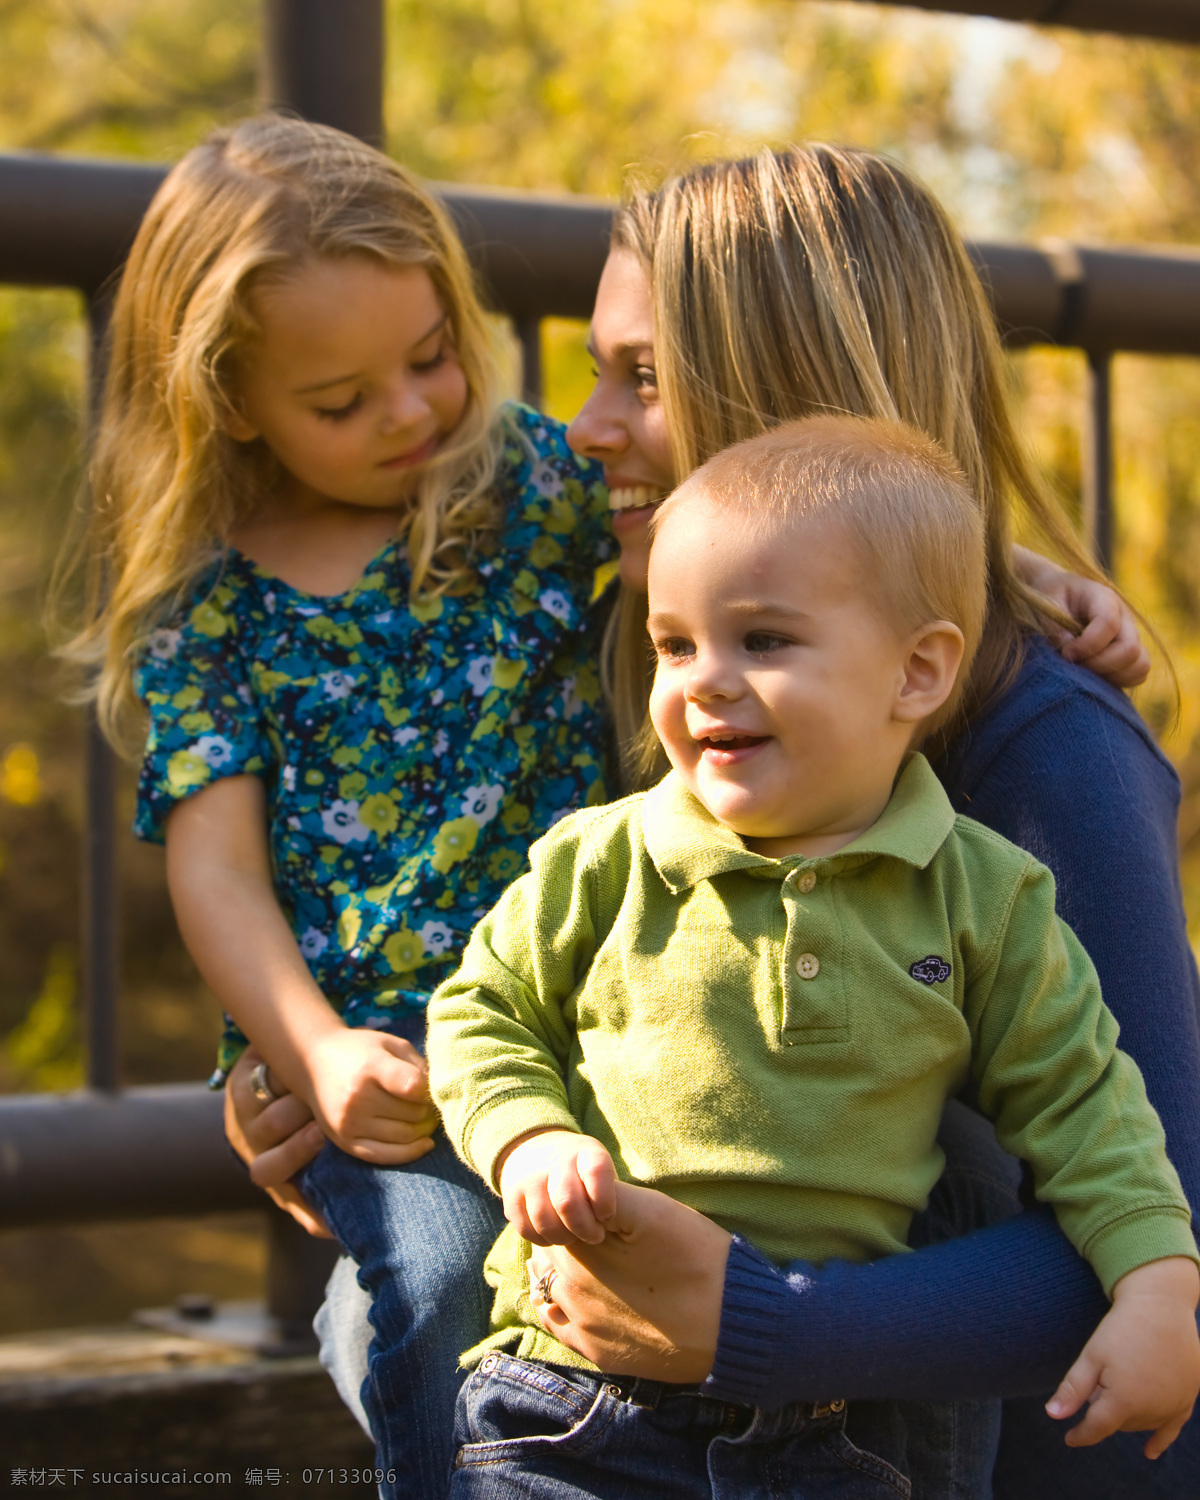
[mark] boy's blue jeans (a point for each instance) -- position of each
(542, 1432)
(420, 1235)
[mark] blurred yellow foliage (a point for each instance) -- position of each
(20, 776)
(45, 1049)
(1023, 132)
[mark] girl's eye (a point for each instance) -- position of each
(424, 366)
(762, 642)
(674, 648)
(340, 413)
(645, 378)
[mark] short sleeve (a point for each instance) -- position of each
(205, 721)
(567, 494)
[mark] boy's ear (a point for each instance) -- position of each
(935, 653)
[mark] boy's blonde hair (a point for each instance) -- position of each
(821, 279)
(249, 206)
(904, 505)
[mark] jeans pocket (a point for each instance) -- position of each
(879, 1478)
(509, 1409)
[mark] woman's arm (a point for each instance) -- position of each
(952, 1322)
(1108, 642)
(1071, 774)
(367, 1090)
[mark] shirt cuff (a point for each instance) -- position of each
(505, 1117)
(1138, 1238)
(754, 1329)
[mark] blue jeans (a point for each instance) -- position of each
(544, 1432)
(343, 1326)
(950, 1447)
(419, 1235)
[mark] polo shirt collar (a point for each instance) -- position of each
(687, 844)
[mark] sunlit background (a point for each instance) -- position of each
(1024, 135)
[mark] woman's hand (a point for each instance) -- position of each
(648, 1300)
(274, 1140)
(1109, 643)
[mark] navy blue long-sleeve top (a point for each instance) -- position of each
(1063, 766)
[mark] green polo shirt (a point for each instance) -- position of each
(772, 1041)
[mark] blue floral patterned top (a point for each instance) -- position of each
(411, 753)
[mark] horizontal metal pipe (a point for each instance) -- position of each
(141, 1154)
(1173, 20)
(69, 222)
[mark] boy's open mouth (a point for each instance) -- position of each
(721, 745)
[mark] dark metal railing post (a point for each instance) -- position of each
(100, 965)
(100, 959)
(324, 59)
(298, 1267)
(529, 333)
(1098, 459)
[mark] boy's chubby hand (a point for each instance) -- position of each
(370, 1093)
(1140, 1370)
(558, 1187)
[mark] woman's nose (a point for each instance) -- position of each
(597, 432)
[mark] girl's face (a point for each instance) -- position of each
(354, 381)
(622, 424)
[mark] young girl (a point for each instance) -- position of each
(355, 597)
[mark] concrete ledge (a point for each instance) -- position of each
(127, 1399)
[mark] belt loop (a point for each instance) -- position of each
(646, 1393)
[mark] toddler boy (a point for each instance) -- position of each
(755, 986)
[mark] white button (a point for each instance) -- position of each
(808, 966)
(806, 882)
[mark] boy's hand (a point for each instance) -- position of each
(1140, 1370)
(558, 1187)
(370, 1094)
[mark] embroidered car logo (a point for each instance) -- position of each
(930, 970)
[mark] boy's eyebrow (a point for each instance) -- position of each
(324, 385)
(752, 608)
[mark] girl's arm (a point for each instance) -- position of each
(1109, 643)
(368, 1091)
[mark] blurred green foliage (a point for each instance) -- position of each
(1023, 134)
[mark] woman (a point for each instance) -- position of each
(742, 295)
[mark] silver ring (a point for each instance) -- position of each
(544, 1284)
(260, 1084)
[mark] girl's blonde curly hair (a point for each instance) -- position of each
(248, 206)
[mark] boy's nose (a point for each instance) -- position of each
(711, 677)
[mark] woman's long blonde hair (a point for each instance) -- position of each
(822, 279)
(250, 205)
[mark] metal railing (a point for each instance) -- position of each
(1170, 20)
(107, 1154)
